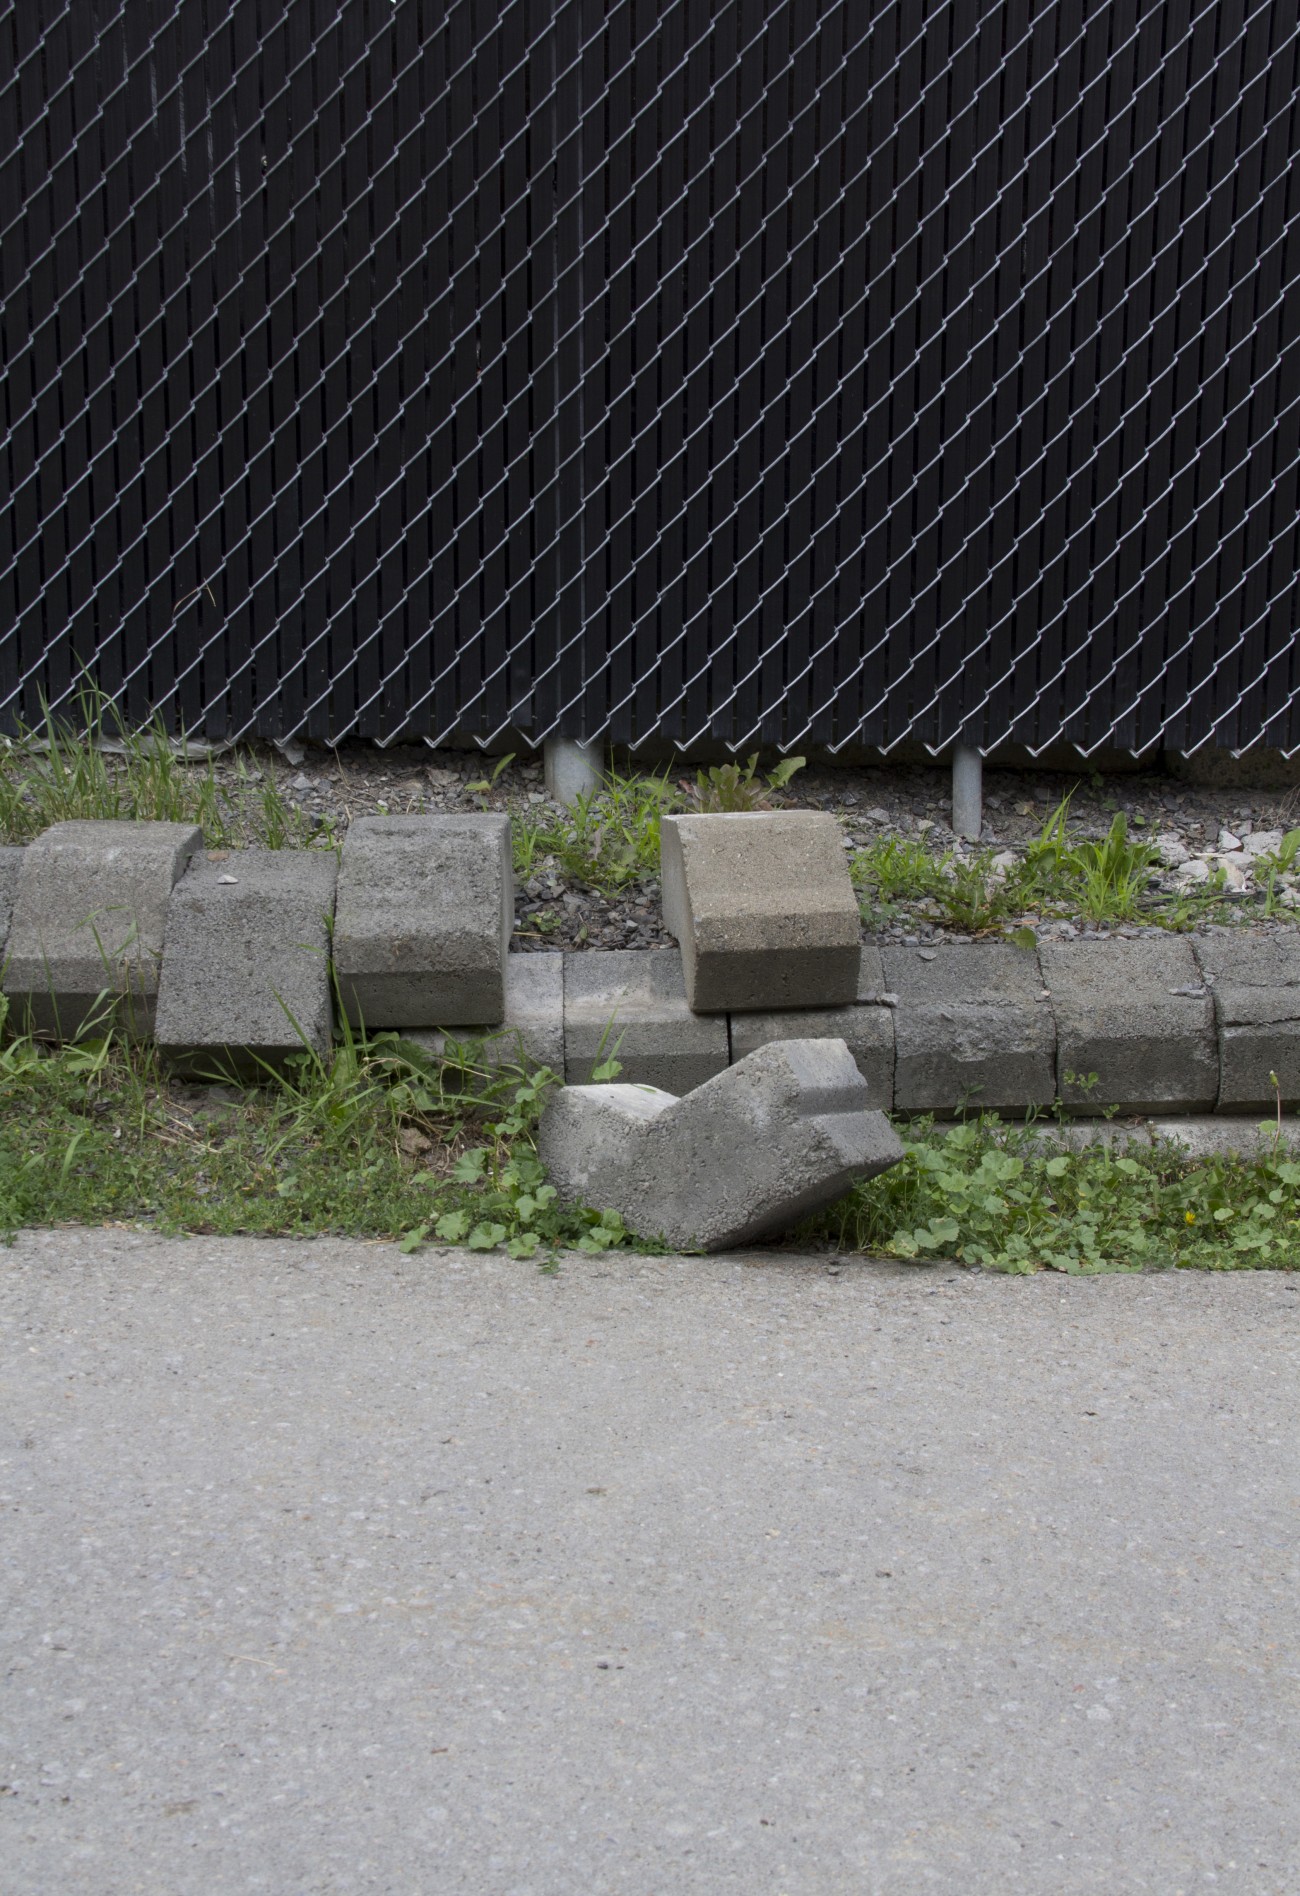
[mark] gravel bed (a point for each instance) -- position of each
(1197, 829)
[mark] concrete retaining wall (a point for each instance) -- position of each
(1153, 1025)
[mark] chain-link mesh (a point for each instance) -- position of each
(839, 372)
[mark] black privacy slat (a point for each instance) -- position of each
(756, 371)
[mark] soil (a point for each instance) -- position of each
(1193, 824)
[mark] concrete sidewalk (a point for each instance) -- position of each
(326, 1569)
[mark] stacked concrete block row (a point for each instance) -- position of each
(226, 957)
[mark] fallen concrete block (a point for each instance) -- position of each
(1255, 983)
(86, 931)
(866, 1028)
(972, 1028)
(1137, 1015)
(532, 1033)
(763, 909)
(10, 863)
(423, 920)
(630, 1004)
(245, 978)
(782, 1133)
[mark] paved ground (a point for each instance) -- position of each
(330, 1570)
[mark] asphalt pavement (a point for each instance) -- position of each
(323, 1569)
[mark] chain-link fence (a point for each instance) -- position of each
(824, 372)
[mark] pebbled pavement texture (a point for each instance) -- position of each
(326, 1569)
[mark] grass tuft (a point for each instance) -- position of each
(93, 768)
(607, 841)
(378, 1140)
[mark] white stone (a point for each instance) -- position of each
(1264, 842)
(1228, 841)
(1172, 849)
(1196, 869)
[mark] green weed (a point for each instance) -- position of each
(1275, 863)
(608, 840)
(725, 788)
(91, 767)
(375, 1140)
(1002, 1197)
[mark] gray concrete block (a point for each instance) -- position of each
(777, 1136)
(245, 977)
(10, 863)
(972, 1028)
(866, 1027)
(423, 920)
(532, 1033)
(631, 1003)
(1136, 1014)
(763, 909)
(1224, 1136)
(86, 931)
(1255, 982)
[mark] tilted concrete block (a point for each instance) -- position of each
(1255, 984)
(972, 1027)
(10, 863)
(780, 1134)
(1136, 1014)
(423, 921)
(89, 908)
(630, 1003)
(245, 978)
(866, 1027)
(763, 909)
(532, 1033)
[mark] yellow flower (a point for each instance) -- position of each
(1190, 1217)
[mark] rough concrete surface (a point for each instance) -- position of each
(785, 1131)
(1255, 981)
(868, 1032)
(763, 909)
(973, 1023)
(10, 863)
(532, 1032)
(245, 976)
(327, 1569)
(89, 908)
(867, 1028)
(1136, 1018)
(423, 921)
(632, 1005)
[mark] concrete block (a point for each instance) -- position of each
(782, 1133)
(1137, 1014)
(634, 1000)
(532, 1033)
(1255, 982)
(89, 907)
(972, 1027)
(866, 1027)
(1224, 1136)
(423, 921)
(10, 863)
(245, 978)
(763, 909)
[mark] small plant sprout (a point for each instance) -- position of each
(733, 788)
(483, 786)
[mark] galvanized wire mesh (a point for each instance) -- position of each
(824, 372)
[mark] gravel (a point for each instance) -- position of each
(1197, 829)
